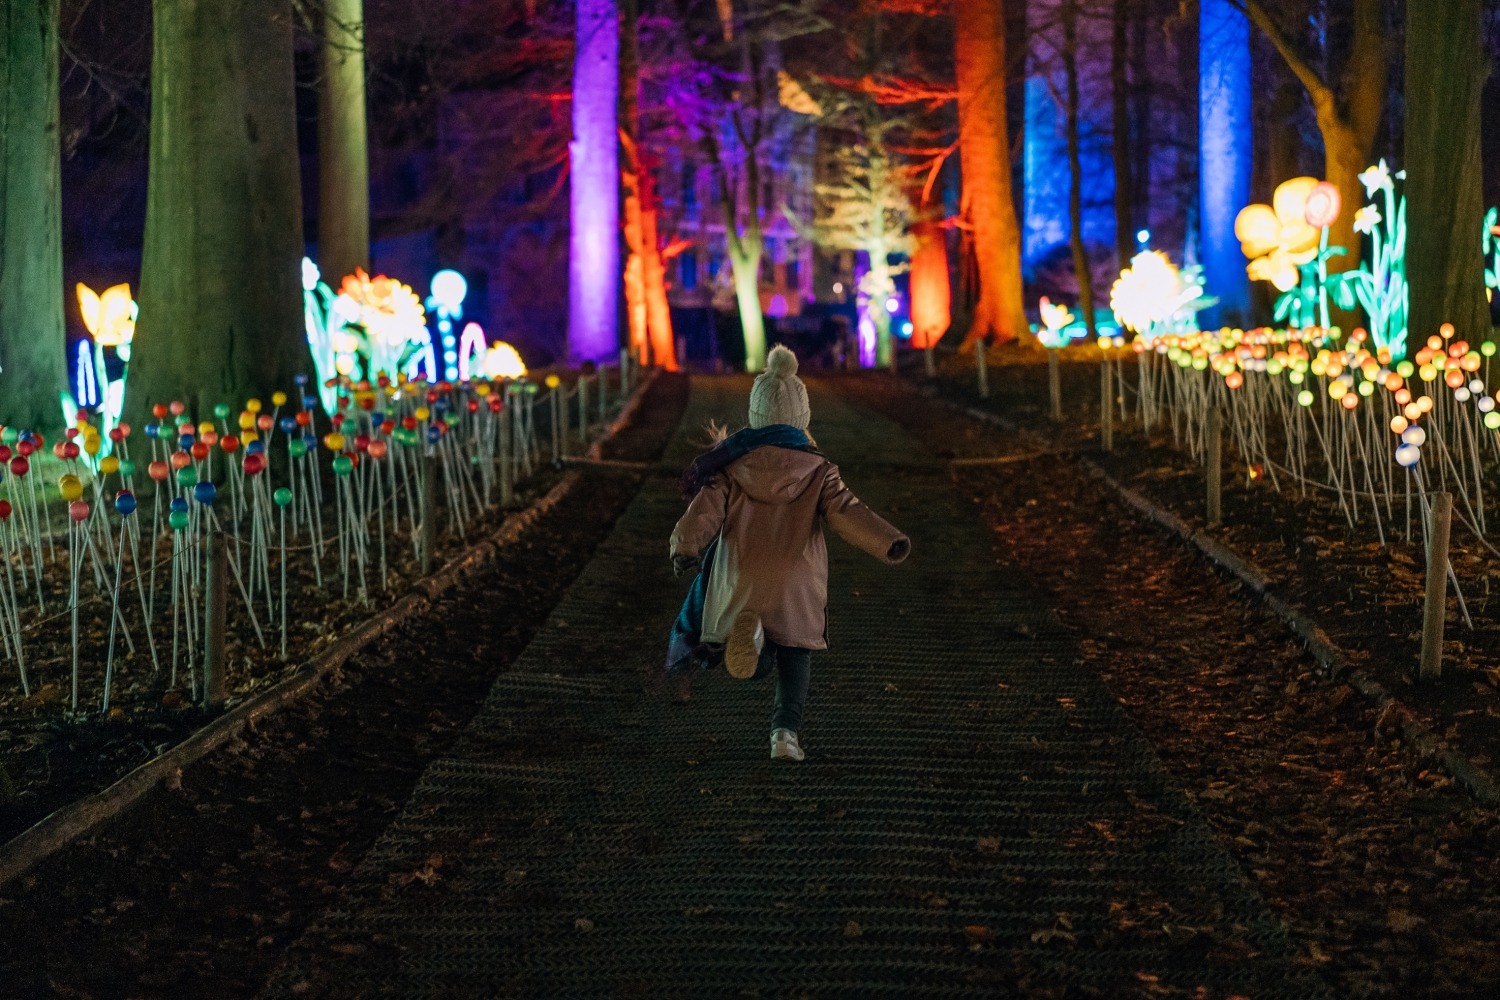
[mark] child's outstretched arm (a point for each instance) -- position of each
(702, 521)
(857, 524)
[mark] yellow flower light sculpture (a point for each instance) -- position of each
(503, 361)
(1152, 296)
(393, 320)
(1281, 237)
(110, 317)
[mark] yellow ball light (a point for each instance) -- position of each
(253, 405)
(92, 444)
(70, 488)
(421, 413)
(552, 381)
(109, 465)
(278, 399)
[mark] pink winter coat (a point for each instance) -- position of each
(770, 507)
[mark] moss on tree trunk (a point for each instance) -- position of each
(1445, 73)
(343, 143)
(221, 292)
(32, 365)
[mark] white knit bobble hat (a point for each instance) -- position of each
(778, 396)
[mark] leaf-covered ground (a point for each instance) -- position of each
(1387, 873)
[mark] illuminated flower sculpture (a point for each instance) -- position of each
(1055, 321)
(1279, 238)
(503, 361)
(389, 316)
(101, 367)
(1152, 297)
(1491, 252)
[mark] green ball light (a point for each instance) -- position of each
(342, 465)
(1487, 348)
(283, 496)
(1492, 420)
(178, 519)
(127, 467)
(1367, 389)
(222, 411)
(1305, 397)
(1405, 369)
(187, 476)
(296, 447)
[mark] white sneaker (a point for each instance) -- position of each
(743, 645)
(784, 745)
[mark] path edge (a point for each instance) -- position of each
(1335, 661)
(66, 824)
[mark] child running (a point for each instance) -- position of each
(754, 533)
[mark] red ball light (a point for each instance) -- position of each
(229, 443)
(254, 464)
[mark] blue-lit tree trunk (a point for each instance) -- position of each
(32, 364)
(594, 236)
(343, 146)
(1224, 152)
(221, 280)
(1445, 73)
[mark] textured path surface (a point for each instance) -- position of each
(977, 815)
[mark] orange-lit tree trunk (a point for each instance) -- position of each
(930, 294)
(1081, 268)
(630, 183)
(988, 205)
(654, 275)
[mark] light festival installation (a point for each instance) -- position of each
(1152, 297)
(102, 363)
(447, 303)
(1057, 327)
(594, 185)
(1492, 253)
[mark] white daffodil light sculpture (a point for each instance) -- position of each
(1056, 318)
(1152, 297)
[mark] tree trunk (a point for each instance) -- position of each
(594, 228)
(221, 283)
(33, 369)
(343, 144)
(1075, 166)
(1119, 90)
(1445, 73)
(930, 295)
(654, 273)
(630, 179)
(984, 153)
(745, 263)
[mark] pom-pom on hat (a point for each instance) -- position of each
(778, 396)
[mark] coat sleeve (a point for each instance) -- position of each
(857, 524)
(703, 520)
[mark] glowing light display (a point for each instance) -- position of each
(1278, 238)
(447, 303)
(503, 361)
(1058, 327)
(1152, 297)
(389, 316)
(1491, 253)
(101, 366)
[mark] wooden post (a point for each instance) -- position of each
(554, 411)
(928, 363)
(507, 448)
(981, 368)
(429, 511)
(1106, 407)
(603, 394)
(1214, 466)
(1435, 608)
(1054, 385)
(583, 407)
(214, 620)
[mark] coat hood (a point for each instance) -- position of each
(777, 475)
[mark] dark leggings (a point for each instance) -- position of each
(792, 666)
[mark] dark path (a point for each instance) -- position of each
(977, 815)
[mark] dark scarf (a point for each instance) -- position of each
(685, 645)
(735, 447)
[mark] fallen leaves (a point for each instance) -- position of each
(426, 873)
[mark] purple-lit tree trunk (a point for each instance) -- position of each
(594, 248)
(32, 371)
